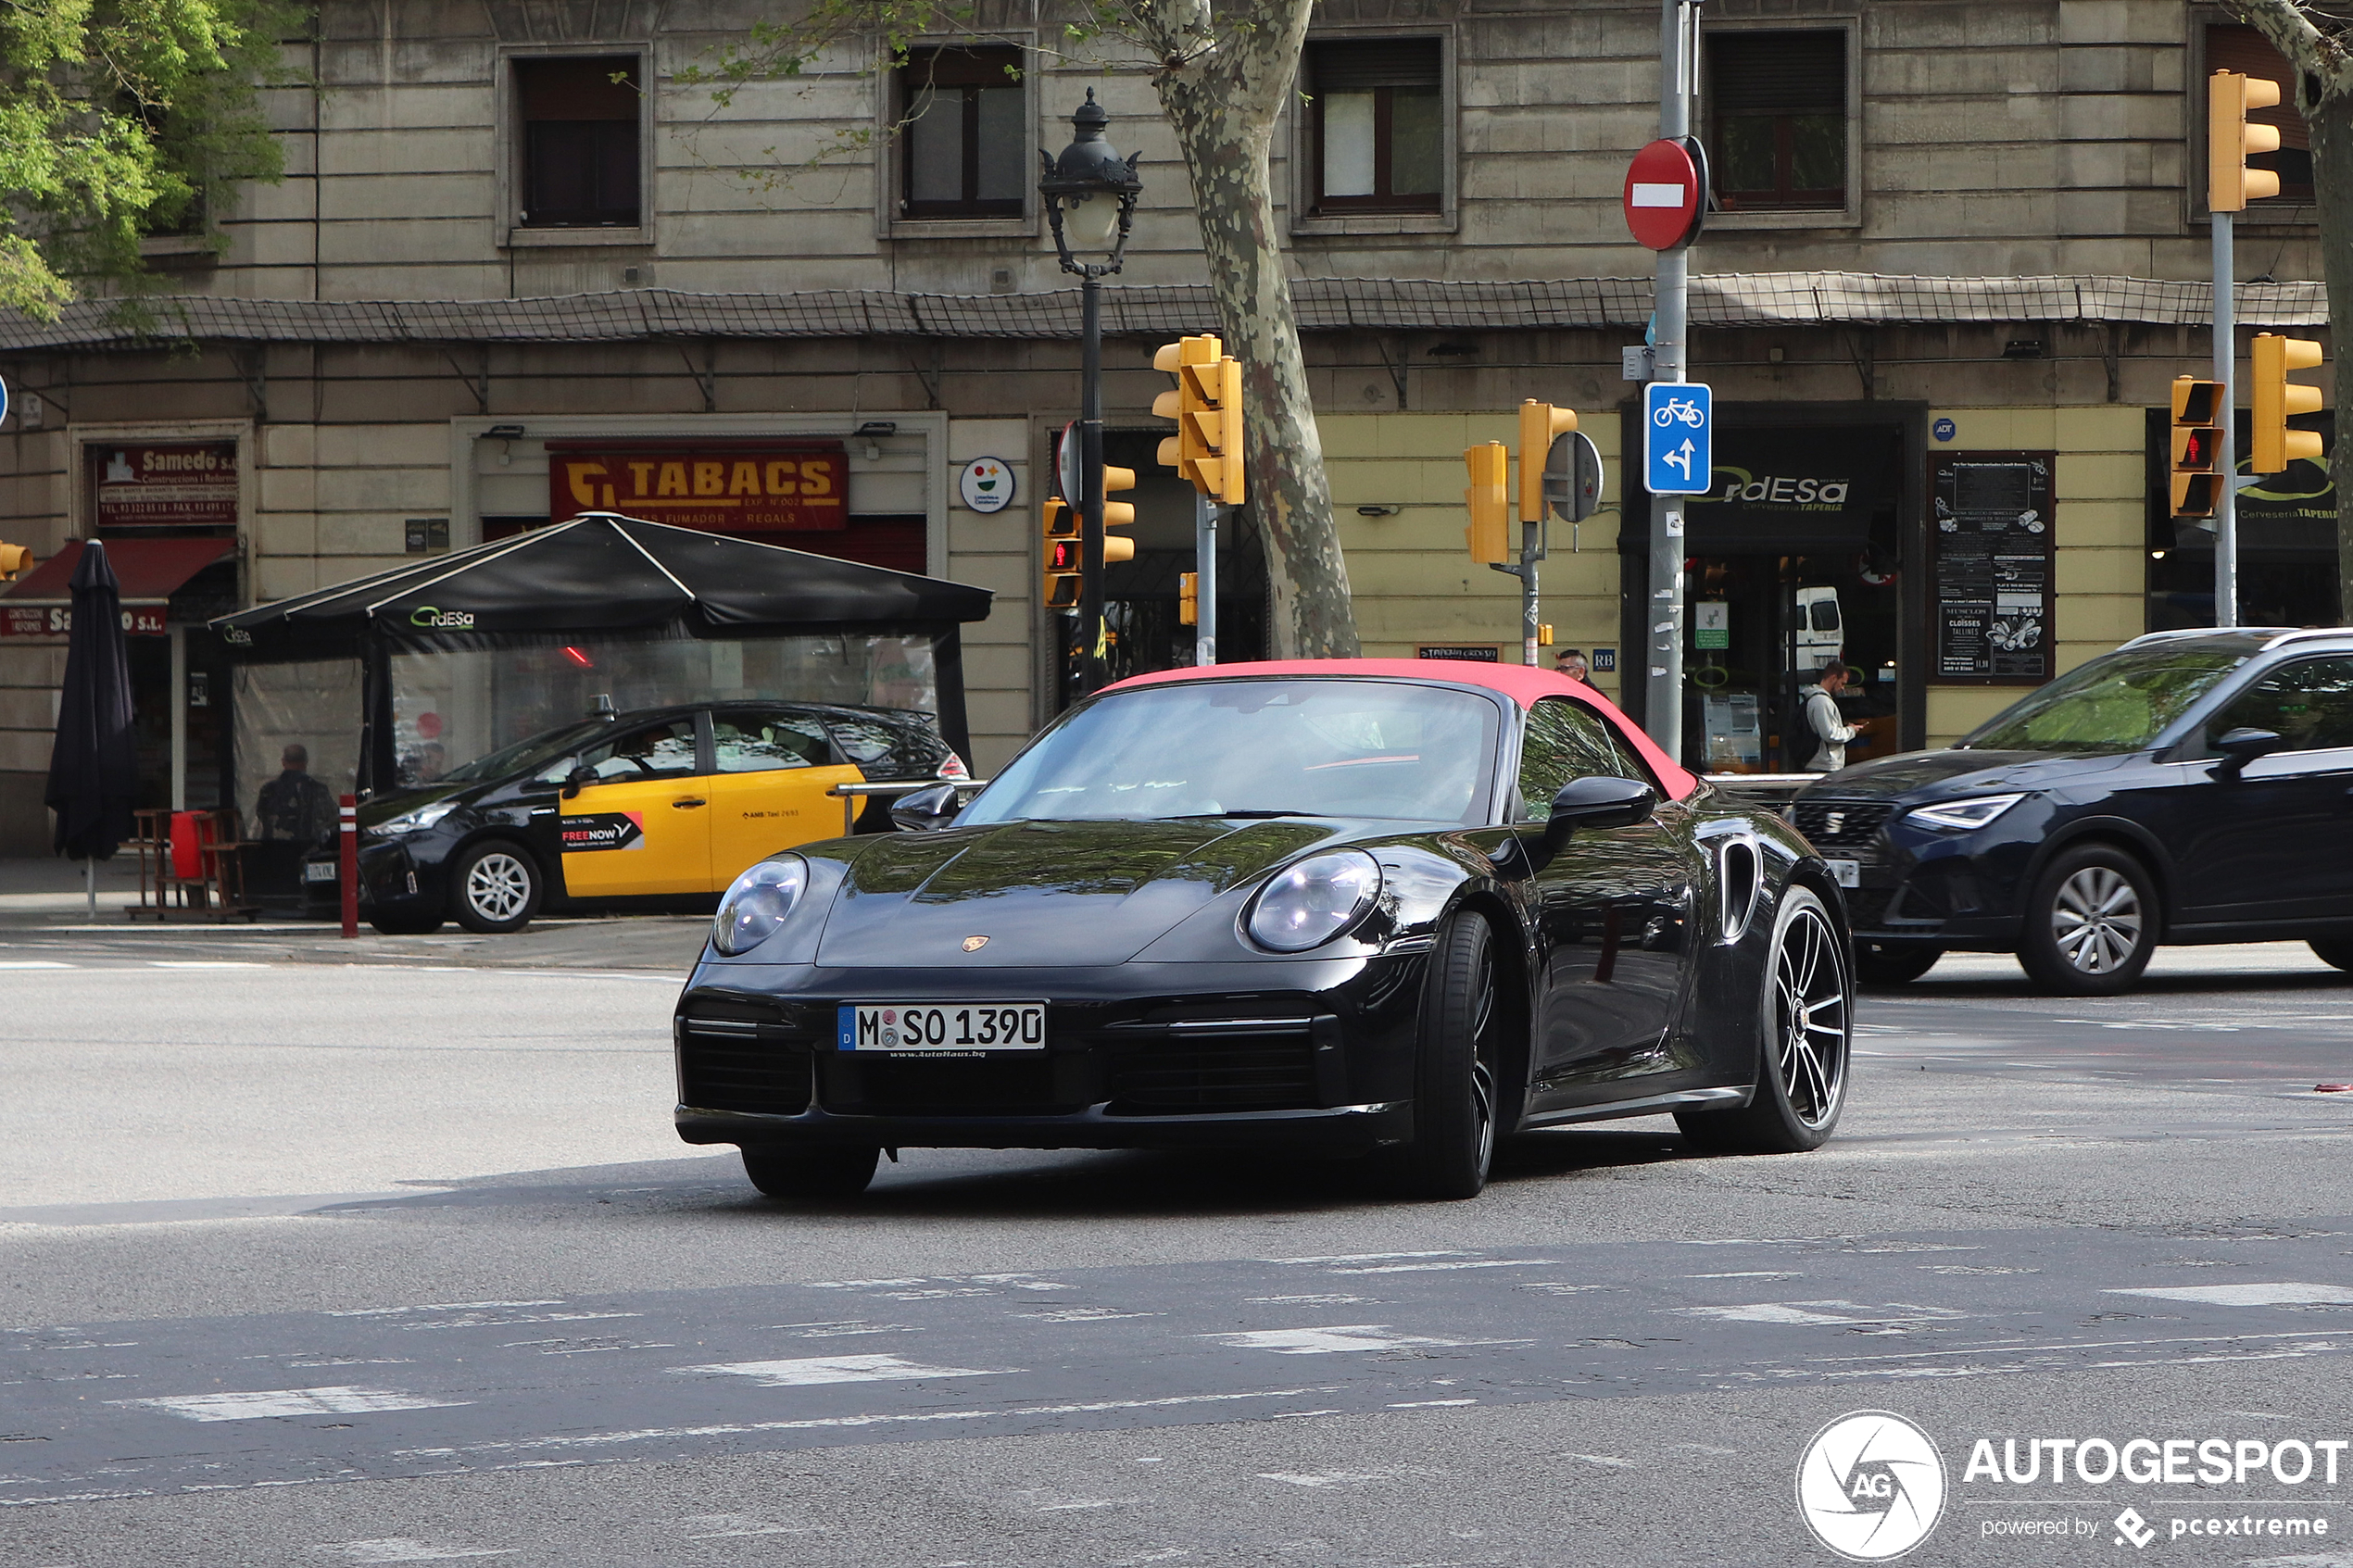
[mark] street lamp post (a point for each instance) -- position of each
(1089, 168)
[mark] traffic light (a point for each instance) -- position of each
(14, 559)
(2230, 184)
(2197, 434)
(2276, 398)
(1188, 599)
(1489, 534)
(1064, 557)
(1207, 406)
(1118, 514)
(1540, 423)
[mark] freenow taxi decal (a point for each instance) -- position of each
(604, 829)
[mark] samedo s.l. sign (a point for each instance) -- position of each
(720, 487)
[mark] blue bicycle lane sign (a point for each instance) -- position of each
(1678, 438)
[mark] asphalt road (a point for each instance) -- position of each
(395, 1259)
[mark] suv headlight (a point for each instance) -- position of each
(417, 821)
(757, 903)
(1971, 813)
(1307, 904)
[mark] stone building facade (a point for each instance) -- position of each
(1957, 260)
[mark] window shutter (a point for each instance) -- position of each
(579, 89)
(1361, 65)
(1777, 73)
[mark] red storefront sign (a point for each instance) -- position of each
(56, 621)
(141, 486)
(749, 487)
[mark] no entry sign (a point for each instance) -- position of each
(1666, 190)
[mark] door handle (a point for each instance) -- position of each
(689, 800)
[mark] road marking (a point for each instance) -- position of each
(264, 1403)
(1364, 1258)
(1338, 1339)
(1320, 1479)
(203, 963)
(439, 1306)
(2281, 1295)
(1839, 1314)
(32, 963)
(1464, 1263)
(809, 1369)
(405, 1548)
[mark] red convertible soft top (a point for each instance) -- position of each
(1518, 682)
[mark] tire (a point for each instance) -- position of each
(1892, 964)
(494, 888)
(405, 925)
(2337, 950)
(811, 1173)
(1456, 1066)
(2090, 923)
(1804, 1019)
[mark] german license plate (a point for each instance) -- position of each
(1846, 873)
(319, 871)
(943, 1026)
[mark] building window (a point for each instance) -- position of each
(966, 134)
(2244, 50)
(1776, 111)
(1376, 128)
(581, 142)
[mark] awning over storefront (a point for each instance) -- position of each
(151, 571)
(600, 573)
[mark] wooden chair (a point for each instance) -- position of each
(217, 886)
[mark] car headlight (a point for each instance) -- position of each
(1306, 905)
(1972, 813)
(417, 821)
(757, 903)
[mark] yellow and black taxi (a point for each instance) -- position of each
(657, 804)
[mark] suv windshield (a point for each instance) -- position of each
(525, 755)
(2119, 702)
(1245, 747)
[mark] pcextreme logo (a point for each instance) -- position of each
(441, 620)
(1870, 1486)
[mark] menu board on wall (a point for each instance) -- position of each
(1991, 546)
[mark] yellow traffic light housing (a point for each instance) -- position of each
(1188, 599)
(2230, 184)
(1489, 534)
(1118, 514)
(1207, 406)
(2276, 400)
(15, 560)
(1540, 423)
(1064, 555)
(2198, 415)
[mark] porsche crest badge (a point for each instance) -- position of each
(974, 944)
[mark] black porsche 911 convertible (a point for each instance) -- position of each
(1366, 906)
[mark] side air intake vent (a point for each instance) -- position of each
(1740, 876)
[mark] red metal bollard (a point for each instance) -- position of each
(350, 871)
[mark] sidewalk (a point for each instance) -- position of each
(45, 912)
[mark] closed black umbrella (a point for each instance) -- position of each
(94, 767)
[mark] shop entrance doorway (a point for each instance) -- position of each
(1762, 627)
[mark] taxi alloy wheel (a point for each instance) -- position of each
(497, 888)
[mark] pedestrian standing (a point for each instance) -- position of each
(1830, 726)
(1571, 663)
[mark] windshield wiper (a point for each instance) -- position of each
(1254, 815)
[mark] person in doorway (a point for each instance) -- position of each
(293, 807)
(1830, 726)
(1571, 663)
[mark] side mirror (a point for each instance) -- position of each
(925, 811)
(2241, 746)
(578, 776)
(1597, 803)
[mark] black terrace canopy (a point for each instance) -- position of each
(604, 574)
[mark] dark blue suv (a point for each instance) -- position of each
(2191, 786)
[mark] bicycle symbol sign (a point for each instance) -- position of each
(1677, 449)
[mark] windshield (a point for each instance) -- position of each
(525, 755)
(2119, 702)
(1245, 747)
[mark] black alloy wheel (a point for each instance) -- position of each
(1456, 1088)
(1805, 1015)
(405, 925)
(811, 1173)
(495, 887)
(1893, 963)
(2090, 922)
(2336, 951)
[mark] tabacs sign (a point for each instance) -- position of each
(763, 487)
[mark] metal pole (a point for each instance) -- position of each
(179, 635)
(347, 859)
(1531, 550)
(2226, 521)
(1091, 444)
(1205, 579)
(1664, 695)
